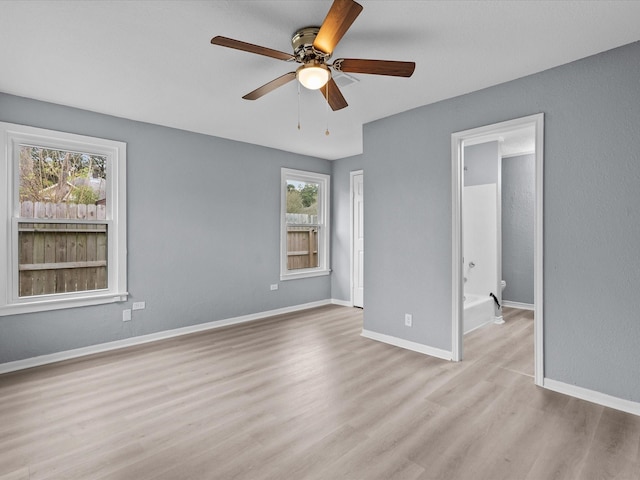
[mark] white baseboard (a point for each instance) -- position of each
(593, 396)
(342, 303)
(152, 337)
(522, 306)
(402, 343)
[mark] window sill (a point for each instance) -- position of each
(44, 304)
(304, 274)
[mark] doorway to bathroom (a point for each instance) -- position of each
(480, 159)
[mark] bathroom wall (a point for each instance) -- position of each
(518, 208)
(515, 179)
(481, 164)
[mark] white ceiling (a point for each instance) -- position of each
(152, 61)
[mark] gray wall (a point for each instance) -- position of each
(407, 225)
(592, 219)
(203, 233)
(481, 164)
(518, 222)
(341, 226)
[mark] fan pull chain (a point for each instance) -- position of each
(298, 105)
(326, 132)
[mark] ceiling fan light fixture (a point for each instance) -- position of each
(313, 75)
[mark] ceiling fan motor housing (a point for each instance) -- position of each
(302, 42)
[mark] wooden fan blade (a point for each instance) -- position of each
(268, 87)
(334, 96)
(251, 48)
(340, 17)
(375, 67)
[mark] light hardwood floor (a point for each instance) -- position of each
(305, 396)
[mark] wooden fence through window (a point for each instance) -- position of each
(55, 257)
(302, 241)
(302, 247)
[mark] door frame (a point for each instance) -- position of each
(457, 152)
(352, 174)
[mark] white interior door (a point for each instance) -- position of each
(357, 274)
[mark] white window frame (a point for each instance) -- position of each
(324, 183)
(11, 137)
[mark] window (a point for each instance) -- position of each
(304, 239)
(63, 237)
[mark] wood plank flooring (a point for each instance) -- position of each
(304, 396)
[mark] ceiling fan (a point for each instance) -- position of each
(312, 48)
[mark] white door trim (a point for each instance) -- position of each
(457, 141)
(352, 176)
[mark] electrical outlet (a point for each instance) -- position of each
(274, 286)
(408, 319)
(126, 315)
(139, 305)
